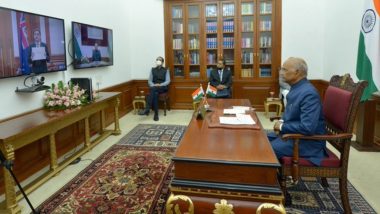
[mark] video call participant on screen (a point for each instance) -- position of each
(96, 56)
(38, 54)
(159, 79)
(303, 114)
(221, 79)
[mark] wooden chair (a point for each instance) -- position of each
(165, 99)
(340, 106)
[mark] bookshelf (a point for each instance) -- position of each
(246, 33)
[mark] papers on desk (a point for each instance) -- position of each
(236, 110)
(240, 119)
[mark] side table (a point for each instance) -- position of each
(140, 101)
(273, 101)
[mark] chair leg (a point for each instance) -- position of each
(324, 182)
(344, 195)
(287, 197)
(168, 102)
(164, 107)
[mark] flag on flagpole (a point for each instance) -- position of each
(368, 61)
(211, 90)
(198, 94)
(23, 45)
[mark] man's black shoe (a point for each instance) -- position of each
(155, 118)
(144, 112)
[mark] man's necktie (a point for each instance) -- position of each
(220, 75)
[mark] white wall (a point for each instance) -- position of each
(303, 33)
(342, 27)
(324, 32)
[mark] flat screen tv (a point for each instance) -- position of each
(92, 45)
(30, 43)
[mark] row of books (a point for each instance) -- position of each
(178, 72)
(177, 43)
(247, 26)
(194, 43)
(178, 57)
(265, 7)
(211, 27)
(247, 57)
(228, 26)
(265, 57)
(265, 72)
(193, 28)
(228, 9)
(177, 27)
(176, 12)
(211, 43)
(211, 58)
(195, 74)
(266, 25)
(247, 72)
(265, 41)
(211, 11)
(247, 8)
(194, 58)
(228, 42)
(247, 42)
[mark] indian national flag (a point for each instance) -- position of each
(368, 62)
(211, 90)
(198, 94)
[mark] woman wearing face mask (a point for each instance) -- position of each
(159, 79)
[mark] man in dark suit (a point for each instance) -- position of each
(221, 79)
(96, 55)
(159, 80)
(303, 114)
(38, 54)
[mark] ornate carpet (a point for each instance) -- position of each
(133, 177)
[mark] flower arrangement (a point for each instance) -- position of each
(64, 96)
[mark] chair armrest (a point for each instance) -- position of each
(274, 118)
(332, 137)
(298, 137)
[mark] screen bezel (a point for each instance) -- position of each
(64, 39)
(73, 45)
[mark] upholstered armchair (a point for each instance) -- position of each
(340, 106)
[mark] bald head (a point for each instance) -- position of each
(293, 70)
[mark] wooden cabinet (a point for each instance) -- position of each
(245, 33)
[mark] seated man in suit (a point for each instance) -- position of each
(303, 114)
(159, 79)
(221, 79)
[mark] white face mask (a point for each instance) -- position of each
(158, 62)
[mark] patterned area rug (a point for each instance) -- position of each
(154, 135)
(309, 196)
(133, 177)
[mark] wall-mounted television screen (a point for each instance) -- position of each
(30, 43)
(92, 45)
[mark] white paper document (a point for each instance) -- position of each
(234, 111)
(240, 119)
(246, 108)
(38, 53)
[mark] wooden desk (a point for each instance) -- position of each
(21, 131)
(238, 165)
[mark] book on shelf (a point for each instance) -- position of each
(228, 9)
(265, 72)
(266, 8)
(247, 72)
(247, 8)
(176, 13)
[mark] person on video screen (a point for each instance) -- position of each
(96, 56)
(38, 54)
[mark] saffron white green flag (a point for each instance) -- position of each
(198, 94)
(368, 62)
